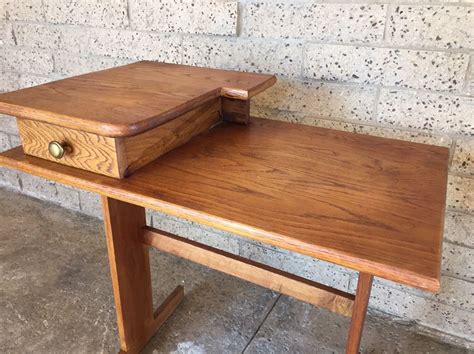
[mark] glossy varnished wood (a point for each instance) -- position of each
(131, 278)
(131, 99)
(372, 204)
(88, 151)
(130, 270)
(260, 274)
(143, 148)
(236, 111)
(364, 287)
(117, 157)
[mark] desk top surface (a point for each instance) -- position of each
(130, 99)
(372, 204)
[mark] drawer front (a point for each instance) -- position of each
(86, 151)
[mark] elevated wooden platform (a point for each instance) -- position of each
(134, 98)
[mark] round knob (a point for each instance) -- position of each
(57, 149)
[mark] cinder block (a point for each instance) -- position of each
(193, 231)
(31, 10)
(6, 33)
(3, 10)
(460, 194)
(9, 178)
(122, 44)
(14, 140)
(439, 71)
(66, 197)
(324, 100)
(463, 158)
(427, 111)
(417, 137)
(37, 187)
(262, 56)
(432, 26)
(37, 36)
(29, 80)
(8, 124)
(275, 114)
(458, 261)
(67, 64)
(148, 216)
(247, 243)
(453, 292)
(344, 63)
(90, 204)
(207, 17)
(50, 191)
(27, 60)
(217, 52)
(429, 313)
(105, 13)
(315, 21)
(306, 267)
(9, 81)
(469, 87)
(277, 58)
(459, 228)
(4, 142)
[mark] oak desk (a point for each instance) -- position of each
(371, 204)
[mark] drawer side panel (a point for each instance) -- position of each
(144, 148)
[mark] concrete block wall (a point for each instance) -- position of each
(391, 68)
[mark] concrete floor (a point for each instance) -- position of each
(56, 296)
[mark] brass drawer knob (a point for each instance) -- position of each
(57, 149)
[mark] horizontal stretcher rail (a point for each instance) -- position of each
(260, 274)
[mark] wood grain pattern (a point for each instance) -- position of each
(268, 277)
(146, 147)
(236, 111)
(364, 287)
(130, 270)
(166, 309)
(372, 204)
(90, 152)
(131, 278)
(117, 157)
(130, 99)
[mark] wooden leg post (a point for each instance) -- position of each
(131, 279)
(364, 286)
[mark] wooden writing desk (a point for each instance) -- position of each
(371, 204)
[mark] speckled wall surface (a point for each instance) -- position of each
(399, 69)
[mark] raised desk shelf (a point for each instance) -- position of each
(117, 120)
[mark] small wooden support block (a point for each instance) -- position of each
(131, 280)
(236, 111)
(268, 277)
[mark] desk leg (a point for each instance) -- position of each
(364, 286)
(131, 279)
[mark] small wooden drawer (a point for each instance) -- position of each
(116, 156)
